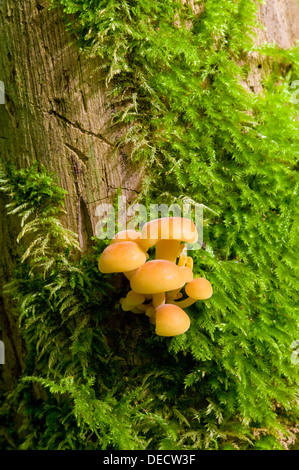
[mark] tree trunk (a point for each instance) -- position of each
(56, 112)
(280, 21)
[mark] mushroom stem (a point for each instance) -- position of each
(189, 262)
(129, 274)
(183, 303)
(168, 249)
(175, 297)
(134, 299)
(182, 260)
(183, 255)
(151, 313)
(158, 299)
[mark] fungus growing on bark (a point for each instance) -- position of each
(121, 257)
(156, 284)
(171, 320)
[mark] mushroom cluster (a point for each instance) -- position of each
(156, 283)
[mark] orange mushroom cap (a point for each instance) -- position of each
(171, 320)
(168, 228)
(187, 273)
(199, 288)
(121, 257)
(157, 276)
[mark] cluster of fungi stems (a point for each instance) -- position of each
(156, 284)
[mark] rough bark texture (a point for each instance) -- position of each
(280, 21)
(56, 113)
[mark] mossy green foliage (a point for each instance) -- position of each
(175, 81)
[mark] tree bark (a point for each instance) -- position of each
(280, 25)
(56, 112)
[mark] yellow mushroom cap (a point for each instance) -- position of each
(171, 320)
(121, 257)
(157, 276)
(169, 228)
(126, 236)
(199, 288)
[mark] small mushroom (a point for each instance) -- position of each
(189, 262)
(121, 257)
(134, 299)
(158, 299)
(171, 320)
(156, 276)
(167, 234)
(184, 260)
(197, 289)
